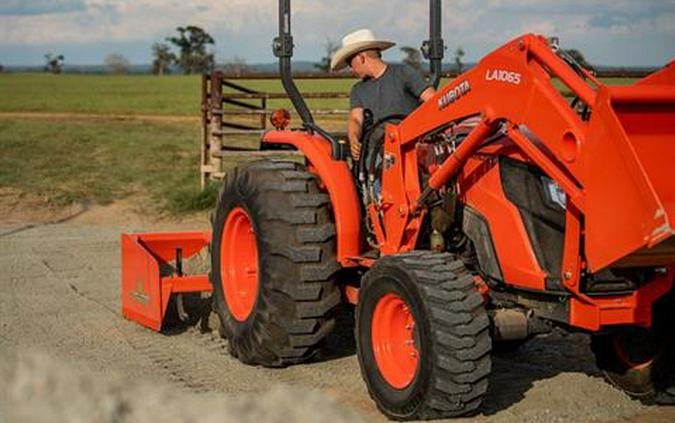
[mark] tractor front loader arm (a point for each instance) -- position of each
(511, 90)
(609, 151)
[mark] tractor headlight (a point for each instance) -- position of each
(553, 192)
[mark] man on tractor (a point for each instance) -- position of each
(385, 90)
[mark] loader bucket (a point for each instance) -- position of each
(629, 175)
(152, 272)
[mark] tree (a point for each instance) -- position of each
(459, 54)
(579, 58)
(54, 64)
(330, 47)
(2, 68)
(192, 42)
(117, 63)
(163, 57)
(413, 57)
(235, 66)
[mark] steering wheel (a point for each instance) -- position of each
(371, 143)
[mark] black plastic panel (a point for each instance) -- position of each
(475, 227)
(543, 218)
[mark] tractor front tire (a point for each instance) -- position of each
(422, 336)
(274, 263)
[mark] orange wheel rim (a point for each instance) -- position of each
(239, 264)
(394, 347)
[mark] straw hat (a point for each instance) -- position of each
(356, 42)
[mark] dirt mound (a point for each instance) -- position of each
(18, 207)
(38, 388)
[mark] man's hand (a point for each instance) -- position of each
(427, 94)
(356, 150)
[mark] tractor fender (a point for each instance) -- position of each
(338, 181)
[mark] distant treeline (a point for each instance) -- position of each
(306, 69)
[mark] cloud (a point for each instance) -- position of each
(40, 7)
(245, 28)
(129, 20)
(605, 20)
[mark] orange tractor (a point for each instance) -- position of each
(496, 211)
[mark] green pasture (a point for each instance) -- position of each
(104, 159)
(134, 94)
(144, 94)
(101, 161)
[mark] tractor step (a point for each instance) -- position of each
(146, 284)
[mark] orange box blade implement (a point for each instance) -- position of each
(145, 292)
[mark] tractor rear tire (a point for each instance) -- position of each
(639, 361)
(422, 336)
(274, 264)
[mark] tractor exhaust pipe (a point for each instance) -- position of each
(283, 49)
(433, 48)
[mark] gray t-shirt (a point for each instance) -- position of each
(397, 91)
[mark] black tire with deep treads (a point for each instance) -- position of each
(452, 336)
(294, 309)
(652, 383)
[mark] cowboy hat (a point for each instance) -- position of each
(354, 43)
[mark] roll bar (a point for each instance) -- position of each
(433, 48)
(282, 46)
(283, 49)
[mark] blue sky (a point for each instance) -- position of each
(608, 32)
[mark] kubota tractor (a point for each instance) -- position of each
(496, 211)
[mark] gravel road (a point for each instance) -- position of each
(66, 354)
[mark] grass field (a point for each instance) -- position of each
(142, 94)
(132, 94)
(84, 161)
(72, 159)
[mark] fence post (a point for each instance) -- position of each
(223, 100)
(216, 126)
(204, 150)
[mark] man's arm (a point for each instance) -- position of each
(354, 128)
(415, 84)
